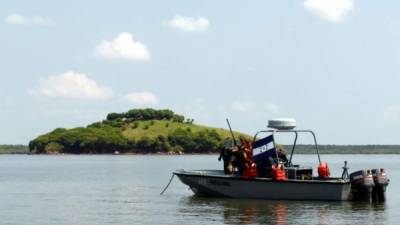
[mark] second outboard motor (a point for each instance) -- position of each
(362, 184)
(381, 182)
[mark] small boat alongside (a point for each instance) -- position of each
(259, 169)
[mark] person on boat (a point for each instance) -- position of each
(227, 156)
(264, 167)
(282, 154)
(248, 152)
(243, 154)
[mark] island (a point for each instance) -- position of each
(138, 131)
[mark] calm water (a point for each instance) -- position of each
(125, 190)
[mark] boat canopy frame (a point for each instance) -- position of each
(296, 132)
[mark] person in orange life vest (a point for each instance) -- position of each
(244, 155)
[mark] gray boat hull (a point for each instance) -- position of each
(216, 183)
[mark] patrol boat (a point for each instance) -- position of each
(271, 176)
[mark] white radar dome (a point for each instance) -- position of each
(282, 124)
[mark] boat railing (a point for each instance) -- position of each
(296, 132)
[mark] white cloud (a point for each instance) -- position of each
(123, 47)
(17, 19)
(71, 85)
(392, 113)
(189, 24)
(331, 10)
(251, 107)
(142, 98)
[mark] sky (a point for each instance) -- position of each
(333, 65)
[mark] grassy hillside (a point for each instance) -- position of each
(136, 131)
(153, 128)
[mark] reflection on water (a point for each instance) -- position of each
(124, 190)
(243, 212)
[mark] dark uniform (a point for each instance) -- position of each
(226, 154)
(282, 154)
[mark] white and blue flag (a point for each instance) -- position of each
(264, 148)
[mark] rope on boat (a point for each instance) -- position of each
(166, 187)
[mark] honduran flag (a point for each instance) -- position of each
(263, 149)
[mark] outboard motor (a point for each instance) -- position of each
(381, 182)
(362, 184)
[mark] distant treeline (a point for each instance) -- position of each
(14, 149)
(300, 149)
(347, 149)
